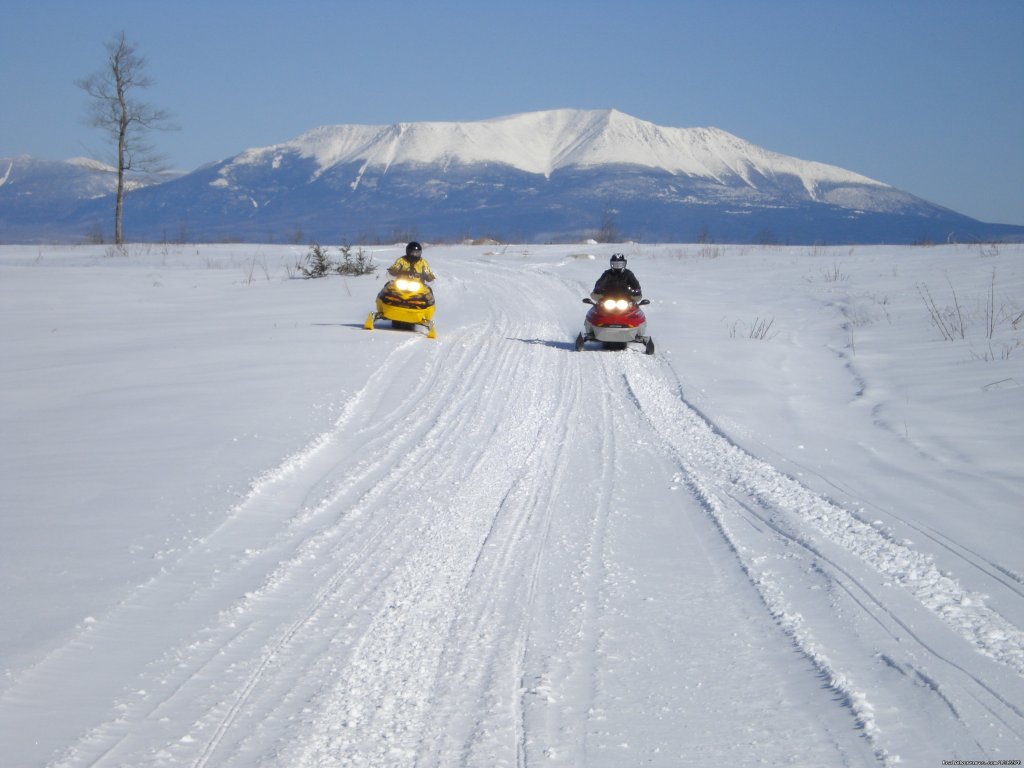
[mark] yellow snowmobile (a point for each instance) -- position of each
(407, 302)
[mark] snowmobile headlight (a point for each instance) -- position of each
(403, 284)
(616, 304)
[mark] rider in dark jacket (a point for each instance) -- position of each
(618, 280)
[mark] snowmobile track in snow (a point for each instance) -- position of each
(436, 580)
(736, 487)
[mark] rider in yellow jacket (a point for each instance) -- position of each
(412, 263)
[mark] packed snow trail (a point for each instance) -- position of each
(506, 553)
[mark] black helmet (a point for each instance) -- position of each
(618, 261)
(414, 249)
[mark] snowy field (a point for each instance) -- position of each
(236, 529)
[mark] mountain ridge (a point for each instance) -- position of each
(541, 176)
(564, 138)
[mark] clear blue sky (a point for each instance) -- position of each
(926, 95)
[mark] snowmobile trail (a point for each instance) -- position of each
(800, 548)
(503, 552)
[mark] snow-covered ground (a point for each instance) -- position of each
(236, 529)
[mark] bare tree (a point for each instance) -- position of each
(126, 120)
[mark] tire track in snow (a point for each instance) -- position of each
(274, 489)
(362, 612)
(999, 573)
(589, 679)
(483, 685)
(389, 729)
(915, 571)
(874, 606)
(724, 478)
(367, 505)
(176, 587)
(772, 595)
(376, 712)
(488, 638)
(599, 721)
(454, 427)
(569, 648)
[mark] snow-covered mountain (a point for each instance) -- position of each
(551, 175)
(546, 142)
(39, 198)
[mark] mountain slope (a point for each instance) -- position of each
(42, 196)
(544, 142)
(559, 174)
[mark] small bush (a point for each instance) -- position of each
(359, 264)
(319, 263)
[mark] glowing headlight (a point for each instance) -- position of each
(407, 285)
(613, 304)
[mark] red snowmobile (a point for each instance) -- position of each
(617, 322)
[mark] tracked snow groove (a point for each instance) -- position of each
(386, 719)
(744, 494)
(914, 571)
(503, 552)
